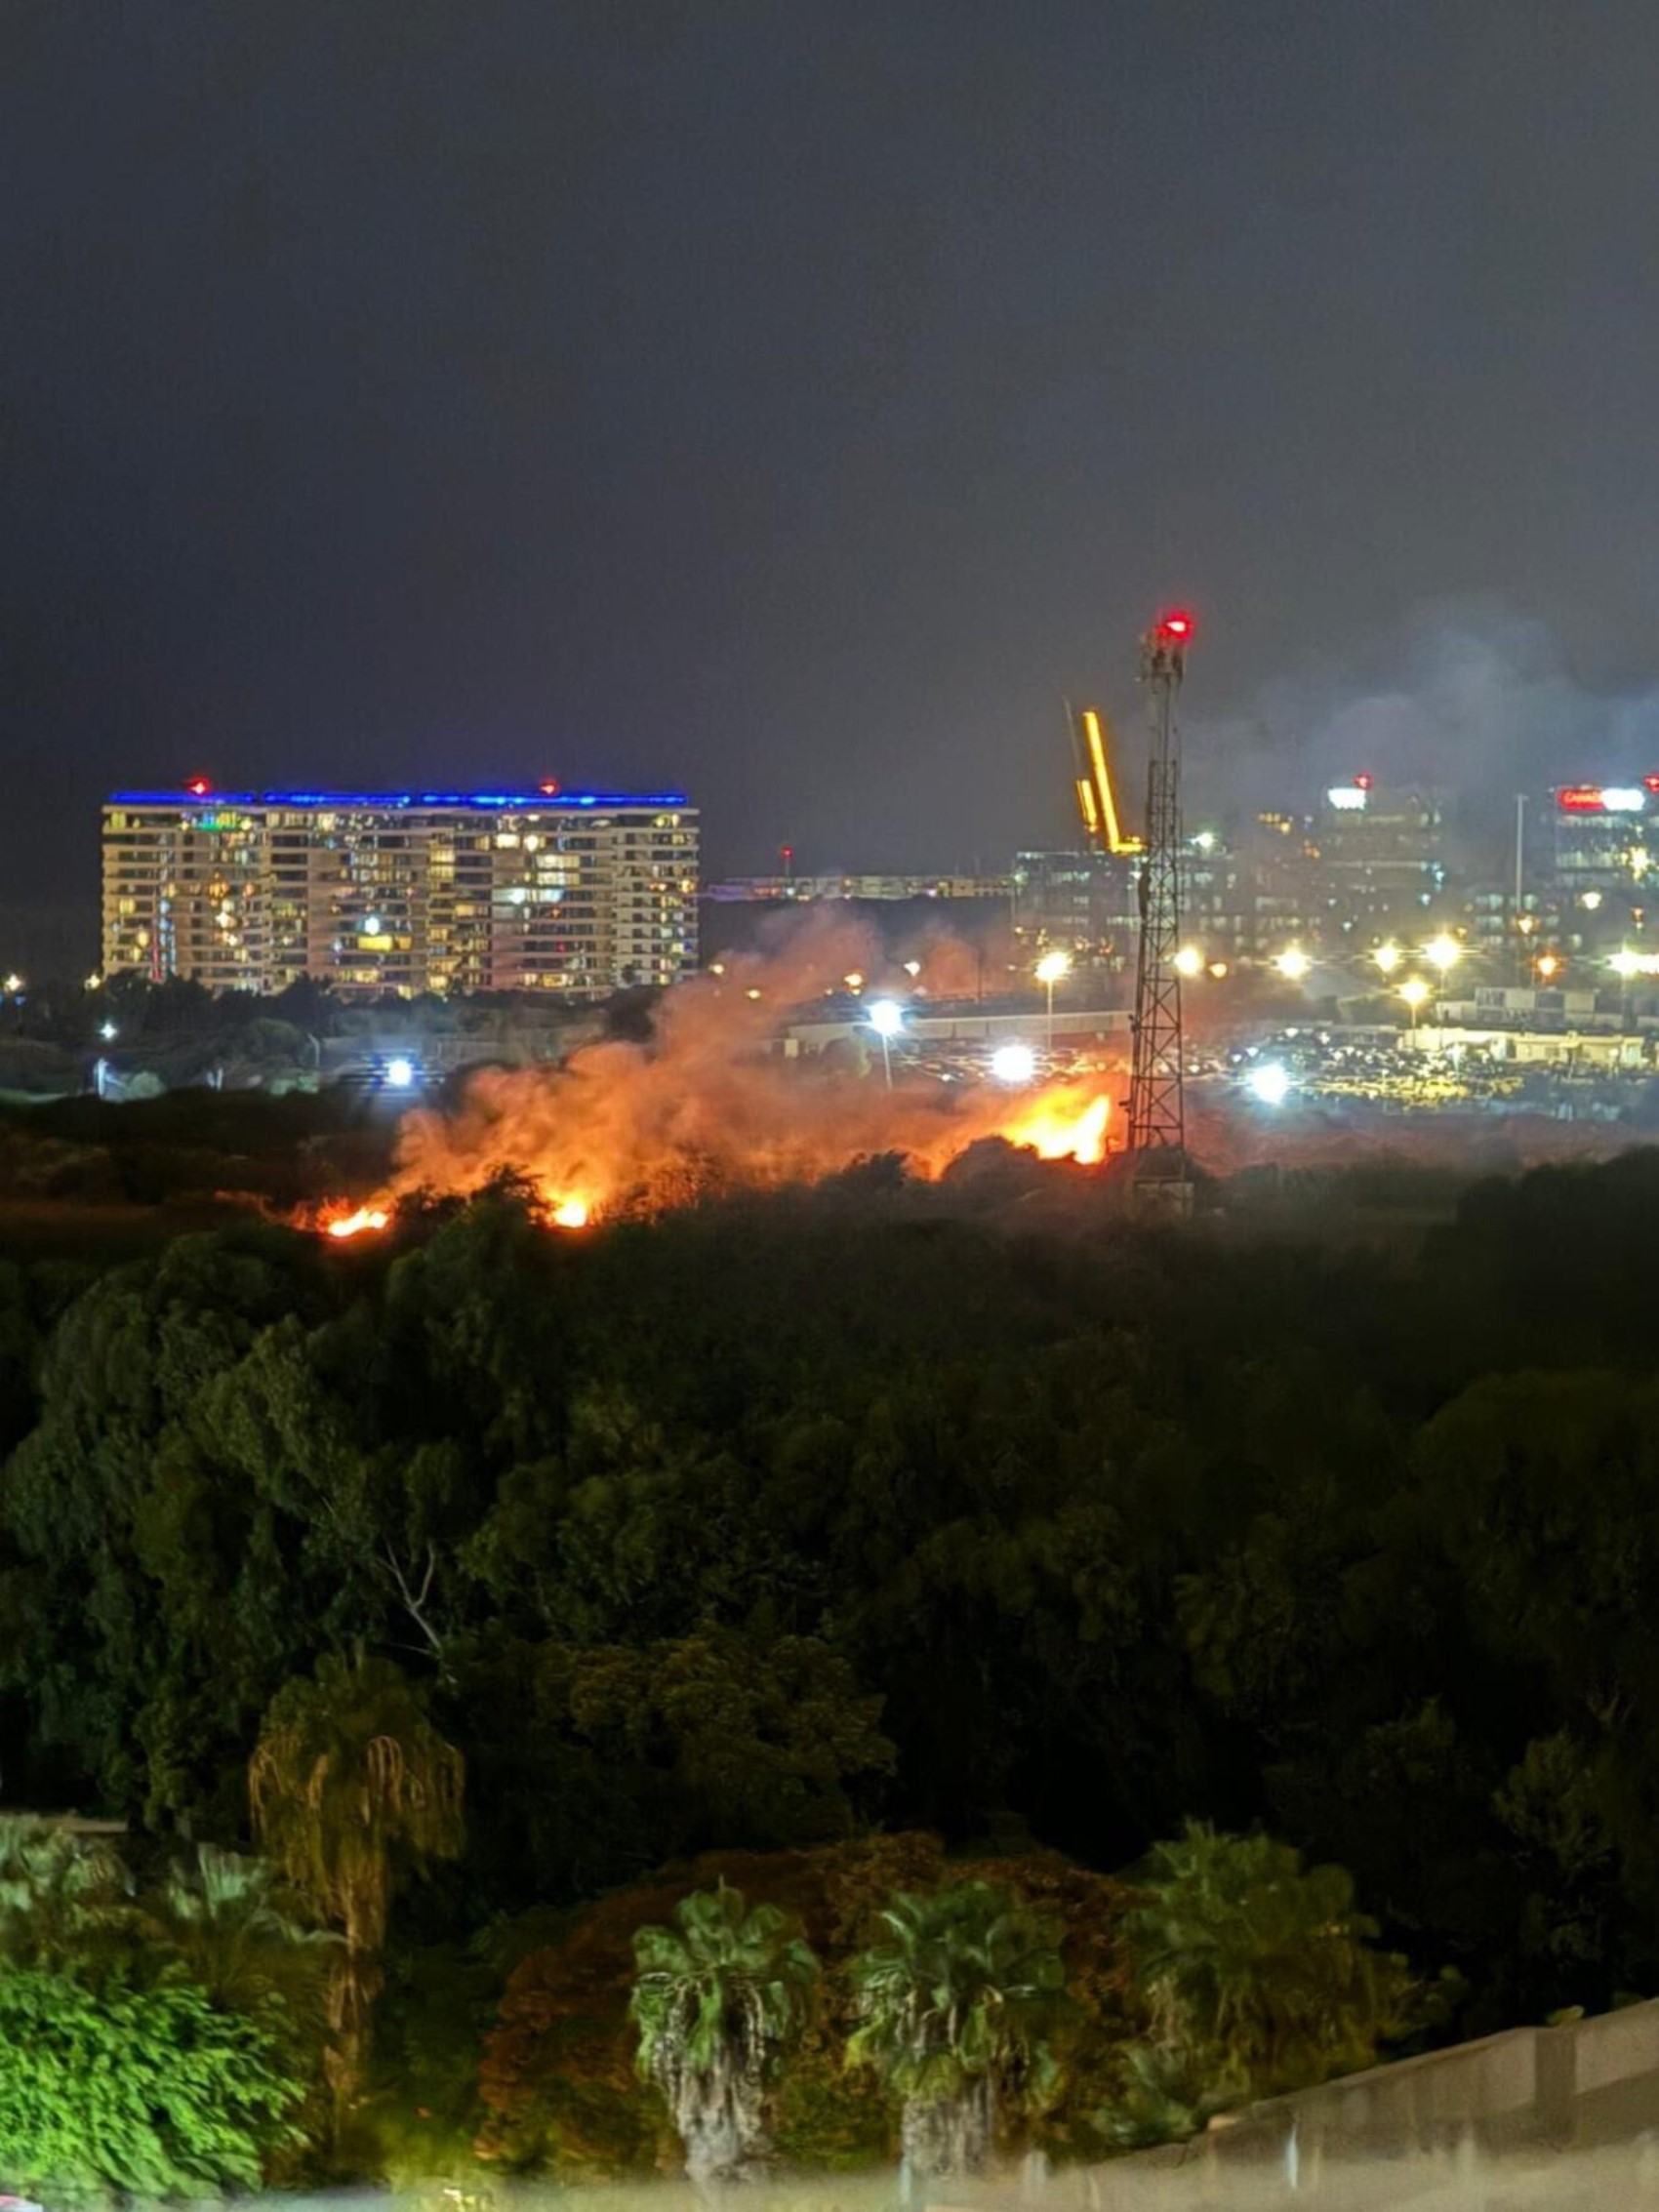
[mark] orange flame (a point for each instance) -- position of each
(355, 1223)
(1056, 1128)
(711, 1105)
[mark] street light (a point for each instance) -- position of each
(1269, 1083)
(1388, 957)
(1051, 969)
(1548, 966)
(887, 1019)
(1188, 961)
(11, 986)
(1444, 951)
(1013, 1064)
(1293, 964)
(1414, 990)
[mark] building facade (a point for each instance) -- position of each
(580, 894)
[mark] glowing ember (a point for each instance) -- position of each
(354, 1224)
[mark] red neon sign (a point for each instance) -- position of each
(1580, 798)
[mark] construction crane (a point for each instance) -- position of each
(1097, 796)
(1157, 1121)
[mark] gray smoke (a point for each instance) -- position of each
(1473, 700)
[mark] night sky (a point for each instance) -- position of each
(789, 399)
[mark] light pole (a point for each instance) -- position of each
(1051, 969)
(1414, 990)
(887, 1019)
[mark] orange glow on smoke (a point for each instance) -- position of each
(711, 1105)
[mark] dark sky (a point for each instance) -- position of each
(789, 398)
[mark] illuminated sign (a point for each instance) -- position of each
(1347, 798)
(1600, 798)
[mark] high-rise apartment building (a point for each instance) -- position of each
(575, 893)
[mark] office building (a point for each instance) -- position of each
(579, 894)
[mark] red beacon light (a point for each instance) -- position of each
(198, 786)
(549, 787)
(1362, 782)
(1176, 627)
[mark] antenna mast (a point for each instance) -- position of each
(1157, 1119)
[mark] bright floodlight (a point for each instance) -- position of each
(1188, 961)
(1414, 990)
(400, 1074)
(1388, 957)
(1626, 963)
(1013, 1064)
(1269, 1083)
(1548, 965)
(13, 984)
(1053, 967)
(887, 1017)
(1444, 951)
(109, 1033)
(1293, 963)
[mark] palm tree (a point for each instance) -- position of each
(61, 1894)
(715, 2000)
(350, 1786)
(1260, 1974)
(244, 1939)
(954, 2012)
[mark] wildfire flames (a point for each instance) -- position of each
(707, 1106)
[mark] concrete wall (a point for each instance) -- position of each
(1591, 2082)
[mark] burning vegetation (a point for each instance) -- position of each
(711, 1105)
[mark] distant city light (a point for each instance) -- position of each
(854, 981)
(1623, 798)
(1013, 1064)
(887, 1017)
(400, 1074)
(1269, 1083)
(1591, 901)
(1347, 798)
(912, 969)
(1548, 965)
(95, 981)
(1188, 961)
(1293, 963)
(371, 925)
(1218, 969)
(1205, 840)
(11, 986)
(109, 1033)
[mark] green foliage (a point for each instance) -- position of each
(717, 1998)
(956, 2007)
(1260, 1974)
(351, 1786)
(110, 2088)
(740, 1529)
